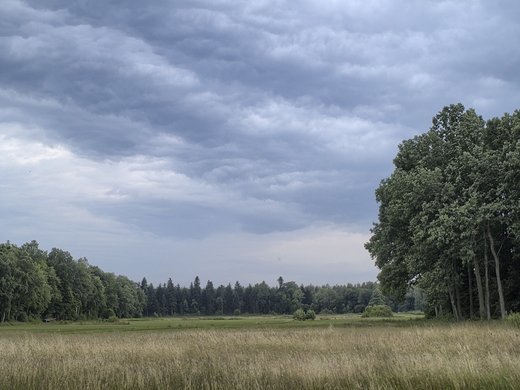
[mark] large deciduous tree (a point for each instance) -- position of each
(452, 200)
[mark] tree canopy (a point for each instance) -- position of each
(449, 215)
(36, 284)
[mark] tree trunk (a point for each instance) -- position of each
(480, 292)
(453, 306)
(486, 264)
(457, 299)
(497, 271)
(481, 304)
(470, 285)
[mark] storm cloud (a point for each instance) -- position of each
(232, 140)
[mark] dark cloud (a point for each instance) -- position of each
(185, 120)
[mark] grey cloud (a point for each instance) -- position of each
(169, 219)
(278, 116)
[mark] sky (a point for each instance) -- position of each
(231, 140)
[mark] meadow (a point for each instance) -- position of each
(337, 352)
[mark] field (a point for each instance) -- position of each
(343, 352)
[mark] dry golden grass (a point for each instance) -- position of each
(455, 356)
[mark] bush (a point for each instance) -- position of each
(108, 313)
(514, 319)
(377, 311)
(236, 312)
(300, 315)
(113, 319)
(22, 317)
(310, 315)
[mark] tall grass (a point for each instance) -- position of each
(456, 356)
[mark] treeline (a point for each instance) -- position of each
(285, 298)
(36, 285)
(449, 216)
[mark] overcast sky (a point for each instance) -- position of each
(233, 140)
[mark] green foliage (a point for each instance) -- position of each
(109, 313)
(377, 298)
(377, 311)
(452, 202)
(514, 319)
(25, 292)
(300, 315)
(310, 315)
(35, 284)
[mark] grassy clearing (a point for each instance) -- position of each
(184, 323)
(420, 355)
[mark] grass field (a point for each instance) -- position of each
(199, 322)
(343, 352)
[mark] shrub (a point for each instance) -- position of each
(377, 311)
(310, 315)
(108, 313)
(22, 317)
(299, 315)
(514, 319)
(237, 312)
(377, 298)
(113, 319)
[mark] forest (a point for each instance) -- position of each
(449, 216)
(40, 285)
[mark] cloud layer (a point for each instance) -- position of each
(170, 139)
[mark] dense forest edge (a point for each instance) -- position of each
(449, 216)
(37, 285)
